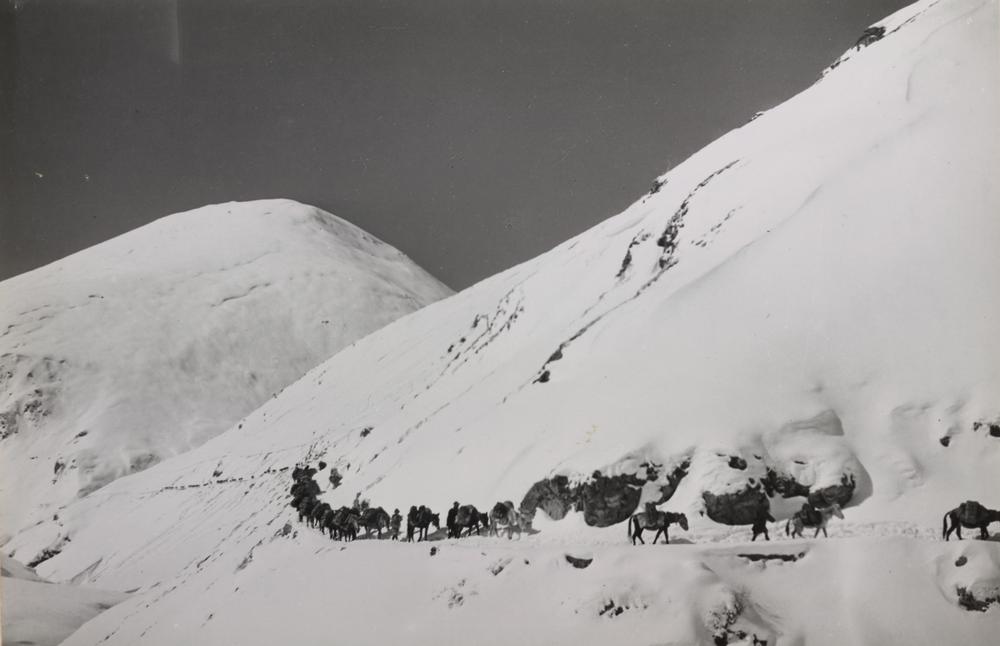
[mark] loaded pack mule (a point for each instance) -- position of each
(468, 518)
(810, 516)
(970, 514)
(374, 518)
(418, 521)
(505, 515)
(653, 518)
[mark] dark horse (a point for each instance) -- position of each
(374, 519)
(418, 521)
(469, 518)
(341, 523)
(316, 515)
(652, 518)
(970, 514)
(305, 508)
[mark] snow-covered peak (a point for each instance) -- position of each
(811, 295)
(146, 345)
(806, 306)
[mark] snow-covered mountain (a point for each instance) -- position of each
(806, 307)
(147, 345)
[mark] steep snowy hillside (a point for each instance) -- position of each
(41, 613)
(147, 345)
(805, 308)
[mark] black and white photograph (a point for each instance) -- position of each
(499, 322)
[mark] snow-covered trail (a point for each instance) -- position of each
(300, 587)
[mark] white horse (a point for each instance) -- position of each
(807, 518)
(505, 515)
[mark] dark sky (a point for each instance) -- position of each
(470, 134)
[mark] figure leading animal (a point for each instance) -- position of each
(653, 518)
(810, 516)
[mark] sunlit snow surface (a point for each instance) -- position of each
(823, 300)
(147, 345)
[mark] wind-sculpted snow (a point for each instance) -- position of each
(807, 309)
(41, 613)
(147, 345)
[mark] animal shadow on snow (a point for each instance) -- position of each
(437, 535)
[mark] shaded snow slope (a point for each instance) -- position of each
(39, 613)
(147, 345)
(17, 570)
(810, 300)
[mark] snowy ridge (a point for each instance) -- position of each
(146, 345)
(808, 302)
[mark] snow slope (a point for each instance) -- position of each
(307, 590)
(147, 345)
(41, 613)
(813, 295)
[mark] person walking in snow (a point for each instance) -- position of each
(411, 523)
(450, 521)
(394, 522)
(760, 525)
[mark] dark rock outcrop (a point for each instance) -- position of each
(673, 481)
(840, 494)
(788, 487)
(869, 36)
(789, 558)
(785, 485)
(606, 501)
(738, 463)
(552, 495)
(741, 507)
(579, 563)
(968, 600)
(992, 428)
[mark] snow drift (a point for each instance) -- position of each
(147, 345)
(807, 307)
(41, 613)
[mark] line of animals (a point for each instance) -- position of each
(345, 523)
(807, 516)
